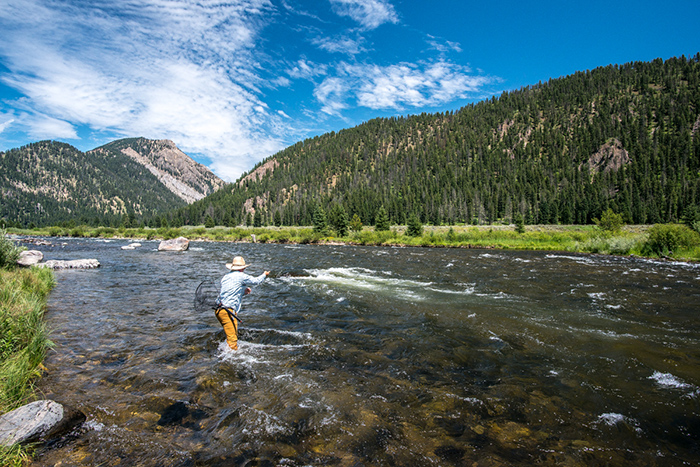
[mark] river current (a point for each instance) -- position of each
(376, 356)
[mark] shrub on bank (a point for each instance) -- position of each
(670, 239)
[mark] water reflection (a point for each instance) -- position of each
(377, 356)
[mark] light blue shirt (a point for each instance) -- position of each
(233, 287)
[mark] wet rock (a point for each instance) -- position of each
(180, 413)
(176, 244)
(70, 264)
(131, 246)
(38, 421)
(30, 257)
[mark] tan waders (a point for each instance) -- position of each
(230, 326)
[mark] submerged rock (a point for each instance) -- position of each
(176, 244)
(30, 257)
(38, 421)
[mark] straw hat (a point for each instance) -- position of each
(237, 264)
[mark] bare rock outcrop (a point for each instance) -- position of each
(610, 156)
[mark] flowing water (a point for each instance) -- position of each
(376, 356)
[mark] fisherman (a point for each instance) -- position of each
(233, 286)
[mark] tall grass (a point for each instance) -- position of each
(23, 341)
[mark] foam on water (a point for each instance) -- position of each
(667, 380)
(614, 419)
(380, 282)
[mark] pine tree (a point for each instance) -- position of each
(414, 227)
(339, 220)
(382, 220)
(356, 223)
(278, 219)
(320, 221)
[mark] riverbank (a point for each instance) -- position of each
(671, 241)
(23, 341)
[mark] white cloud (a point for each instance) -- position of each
(330, 93)
(305, 69)
(6, 123)
(203, 74)
(44, 127)
(369, 13)
(159, 69)
(398, 86)
(344, 45)
(444, 46)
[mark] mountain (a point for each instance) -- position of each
(49, 182)
(186, 178)
(625, 137)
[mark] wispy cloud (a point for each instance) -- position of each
(44, 127)
(369, 13)
(8, 121)
(331, 94)
(341, 44)
(306, 69)
(399, 86)
(443, 46)
(230, 81)
(161, 69)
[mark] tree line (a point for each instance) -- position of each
(625, 138)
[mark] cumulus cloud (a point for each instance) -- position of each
(369, 13)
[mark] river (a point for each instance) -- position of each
(376, 356)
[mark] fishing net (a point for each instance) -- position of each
(205, 296)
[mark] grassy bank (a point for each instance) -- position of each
(23, 338)
(664, 240)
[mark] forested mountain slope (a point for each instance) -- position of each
(625, 137)
(50, 183)
(186, 178)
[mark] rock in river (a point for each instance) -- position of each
(176, 244)
(38, 421)
(30, 257)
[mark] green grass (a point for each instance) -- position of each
(23, 341)
(630, 240)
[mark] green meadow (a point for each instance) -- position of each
(674, 241)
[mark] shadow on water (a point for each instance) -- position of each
(377, 356)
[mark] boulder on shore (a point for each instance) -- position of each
(176, 244)
(38, 421)
(30, 257)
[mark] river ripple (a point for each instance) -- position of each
(376, 356)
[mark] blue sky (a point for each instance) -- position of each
(233, 82)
